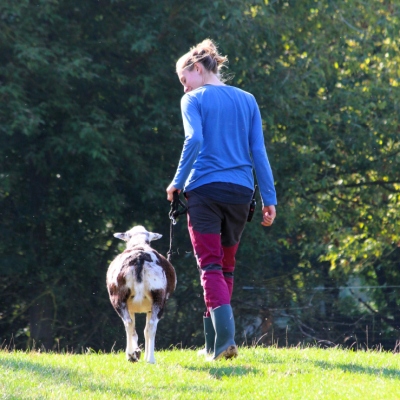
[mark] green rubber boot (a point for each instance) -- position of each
(224, 325)
(209, 334)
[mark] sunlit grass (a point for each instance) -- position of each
(258, 373)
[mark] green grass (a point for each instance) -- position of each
(258, 373)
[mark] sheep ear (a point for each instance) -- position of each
(154, 236)
(121, 236)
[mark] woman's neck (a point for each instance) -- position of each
(212, 79)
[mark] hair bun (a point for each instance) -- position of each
(205, 52)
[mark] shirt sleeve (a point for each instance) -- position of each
(193, 139)
(262, 167)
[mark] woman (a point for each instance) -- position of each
(223, 140)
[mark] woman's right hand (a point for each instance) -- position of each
(269, 214)
(170, 192)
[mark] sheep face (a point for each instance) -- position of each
(138, 234)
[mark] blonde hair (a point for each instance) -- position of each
(205, 53)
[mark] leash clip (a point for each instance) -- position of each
(173, 220)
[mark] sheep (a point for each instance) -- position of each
(140, 280)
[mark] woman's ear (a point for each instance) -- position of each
(198, 67)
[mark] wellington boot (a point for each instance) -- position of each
(209, 334)
(224, 325)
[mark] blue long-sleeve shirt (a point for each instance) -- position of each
(223, 139)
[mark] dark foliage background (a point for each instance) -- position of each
(90, 135)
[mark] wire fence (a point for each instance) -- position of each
(347, 315)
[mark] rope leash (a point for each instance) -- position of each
(173, 215)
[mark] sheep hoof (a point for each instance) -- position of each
(135, 356)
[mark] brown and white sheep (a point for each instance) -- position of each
(140, 280)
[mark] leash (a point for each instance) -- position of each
(173, 215)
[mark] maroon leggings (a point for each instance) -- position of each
(215, 229)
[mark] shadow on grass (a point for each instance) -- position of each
(65, 376)
(219, 371)
(385, 372)
(81, 381)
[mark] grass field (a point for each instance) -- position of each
(258, 373)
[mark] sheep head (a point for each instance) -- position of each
(138, 234)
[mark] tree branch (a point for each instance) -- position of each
(389, 321)
(350, 185)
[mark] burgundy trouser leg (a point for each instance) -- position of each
(215, 230)
(209, 256)
(228, 266)
(216, 291)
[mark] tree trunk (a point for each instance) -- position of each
(41, 323)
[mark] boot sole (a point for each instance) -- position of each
(230, 352)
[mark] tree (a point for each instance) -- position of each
(91, 135)
(331, 121)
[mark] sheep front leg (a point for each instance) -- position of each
(132, 349)
(150, 334)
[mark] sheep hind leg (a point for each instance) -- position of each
(132, 349)
(150, 334)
